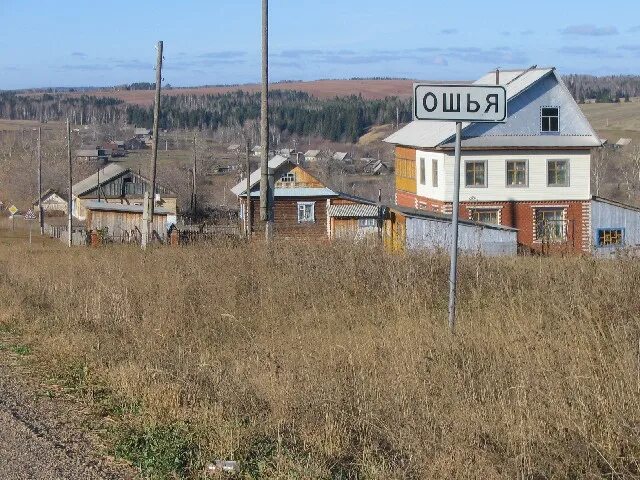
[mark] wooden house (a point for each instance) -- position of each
(302, 204)
(122, 223)
(312, 155)
(52, 202)
(531, 172)
(118, 185)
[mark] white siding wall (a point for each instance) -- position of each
(427, 190)
(496, 189)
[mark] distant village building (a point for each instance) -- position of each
(117, 185)
(531, 173)
(257, 151)
(623, 142)
(311, 155)
(341, 157)
(97, 153)
(52, 202)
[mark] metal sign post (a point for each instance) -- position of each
(458, 103)
(30, 216)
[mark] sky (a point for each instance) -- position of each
(47, 43)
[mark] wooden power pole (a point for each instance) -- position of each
(248, 211)
(266, 176)
(194, 205)
(154, 147)
(40, 209)
(70, 198)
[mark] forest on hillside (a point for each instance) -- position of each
(291, 112)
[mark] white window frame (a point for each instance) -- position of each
(541, 208)
(301, 207)
(367, 222)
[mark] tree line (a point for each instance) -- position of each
(291, 112)
(607, 89)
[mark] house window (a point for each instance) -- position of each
(434, 173)
(423, 173)
(288, 178)
(306, 212)
(549, 119)
(551, 224)
(610, 236)
(367, 223)
(475, 173)
(517, 173)
(558, 173)
(485, 215)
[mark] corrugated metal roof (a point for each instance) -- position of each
(522, 141)
(120, 207)
(623, 142)
(107, 174)
(298, 192)
(412, 212)
(254, 178)
(356, 210)
(312, 153)
(433, 134)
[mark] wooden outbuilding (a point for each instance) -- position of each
(123, 223)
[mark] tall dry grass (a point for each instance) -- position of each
(335, 362)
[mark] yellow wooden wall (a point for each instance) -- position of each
(406, 169)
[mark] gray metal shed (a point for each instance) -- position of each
(614, 226)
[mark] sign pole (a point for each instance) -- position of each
(453, 272)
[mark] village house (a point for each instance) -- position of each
(341, 157)
(52, 203)
(114, 184)
(303, 206)
(311, 155)
(531, 173)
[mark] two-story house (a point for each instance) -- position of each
(531, 172)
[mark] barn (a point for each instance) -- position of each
(122, 223)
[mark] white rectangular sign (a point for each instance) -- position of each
(459, 103)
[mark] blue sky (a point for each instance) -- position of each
(89, 43)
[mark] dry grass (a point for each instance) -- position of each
(333, 362)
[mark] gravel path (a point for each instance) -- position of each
(40, 438)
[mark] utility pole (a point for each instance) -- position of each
(40, 209)
(154, 147)
(248, 212)
(194, 206)
(70, 198)
(266, 176)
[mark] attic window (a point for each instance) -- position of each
(288, 178)
(549, 119)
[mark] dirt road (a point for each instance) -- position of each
(40, 438)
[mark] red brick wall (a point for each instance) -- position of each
(519, 215)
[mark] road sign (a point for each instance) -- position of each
(459, 103)
(13, 210)
(30, 215)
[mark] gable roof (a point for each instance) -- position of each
(312, 153)
(340, 156)
(108, 173)
(48, 193)
(437, 134)
(241, 187)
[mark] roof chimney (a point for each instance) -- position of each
(498, 76)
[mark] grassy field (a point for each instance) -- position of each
(334, 361)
